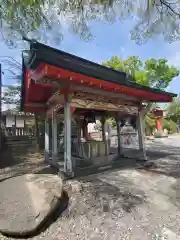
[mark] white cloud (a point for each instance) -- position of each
(175, 60)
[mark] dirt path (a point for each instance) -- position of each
(130, 204)
(19, 163)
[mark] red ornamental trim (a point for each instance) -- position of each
(58, 73)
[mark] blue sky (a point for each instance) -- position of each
(109, 40)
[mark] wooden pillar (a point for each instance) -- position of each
(15, 122)
(118, 125)
(37, 132)
(140, 127)
(79, 144)
(54, 136)
(68, 165)
(105, 134)
(78, 130)
(25, 125)
(85, 129)
(159, 124)
(46, 146)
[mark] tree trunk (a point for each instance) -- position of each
(146, 109)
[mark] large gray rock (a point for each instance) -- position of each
(27, 201)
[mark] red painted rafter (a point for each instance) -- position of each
(72, 88)
(45, 70)
(69, 81)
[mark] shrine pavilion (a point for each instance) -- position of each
(71, 92)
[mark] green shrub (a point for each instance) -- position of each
(169, 125)
(172, 127)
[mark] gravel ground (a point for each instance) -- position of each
(132, 204)
(15, 165)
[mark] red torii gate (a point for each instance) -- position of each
(158, 113)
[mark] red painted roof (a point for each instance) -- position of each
(42, 67)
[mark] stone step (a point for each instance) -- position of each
(19, 139)
(17, 142)
(21, 149)
(20, 144)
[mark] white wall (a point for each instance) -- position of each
(91, 127)
(10, 120)
(19, 122)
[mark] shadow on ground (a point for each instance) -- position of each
(103, 199)
(10, 156)
(18, 162)
(112, 197)
(166, 159)
(101, 203)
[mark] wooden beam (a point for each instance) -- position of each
(53, 97)
(118, 124)
(112, 95)
(100, 98)
(56, 101)
(30, 104)
(85, 104)
(140, 126)
(46, 153)
(104, 132)
(68, 164)
(84, 88)
(54, 136)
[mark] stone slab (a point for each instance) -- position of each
(27, 201)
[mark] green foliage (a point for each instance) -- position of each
(112, 122)
(130, 65)
(174, 110)
(147, 73)
(149, 123)
(157, 18)
(169, 125)
(160, 70)
(21, 17)
(173, 126)
(165, 124)
(109, 120)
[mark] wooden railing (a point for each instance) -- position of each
(18, 132)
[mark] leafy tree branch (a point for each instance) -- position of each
(41, 17)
